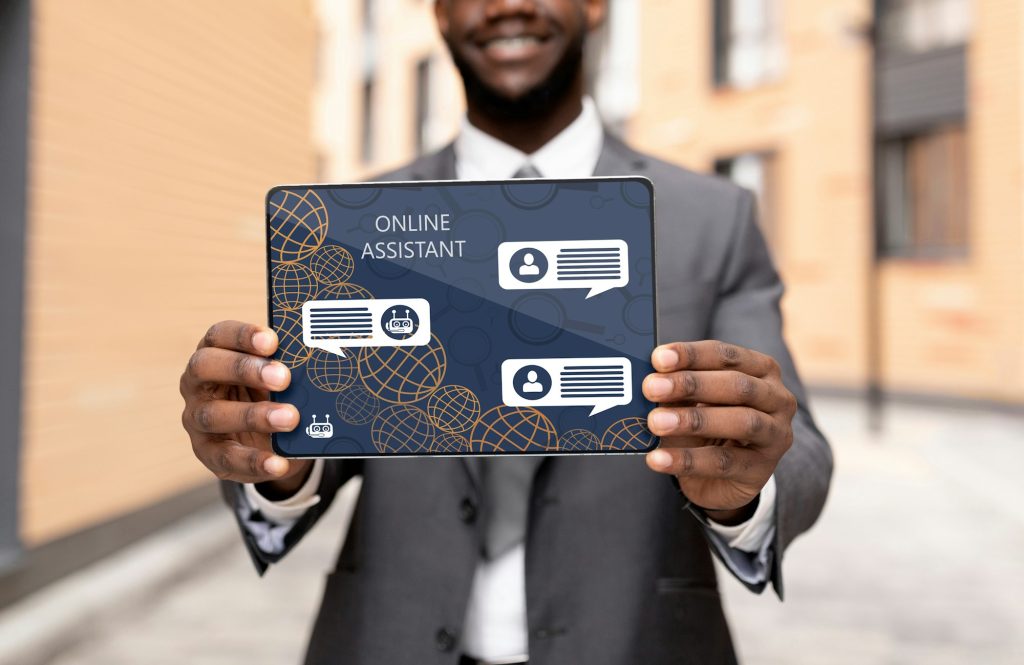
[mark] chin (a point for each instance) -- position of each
(519, 91)
(515, 90)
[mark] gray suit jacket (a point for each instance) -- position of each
(616, 571)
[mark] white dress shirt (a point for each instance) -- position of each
(495, 627)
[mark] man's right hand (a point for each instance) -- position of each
(228, 415)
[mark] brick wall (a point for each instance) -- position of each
(950, 328)
(156, 129)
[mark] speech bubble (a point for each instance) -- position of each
(597, 265)
(336, 325)
(602, 383)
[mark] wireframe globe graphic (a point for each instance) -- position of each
(298, 224)
(290, 349)
(576, 440)
(401, 374)
(329, 371)
(628, 434)
(453, 408)
(344, 291)
(401, 428)
(357, 405)
(446, 443)
(292, 284)
(332, 265)
(512, 429)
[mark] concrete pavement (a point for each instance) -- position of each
(919, 558)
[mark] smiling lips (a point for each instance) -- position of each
(511, 48)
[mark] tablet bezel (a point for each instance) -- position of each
(646, 182)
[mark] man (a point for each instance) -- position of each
(560, 560)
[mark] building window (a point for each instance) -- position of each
(422, 119)
(369, 16)
(431, 109)
(15, 59)
(748, 48)
(756, 172)
(367, 142)
(917, 26)
(613, 64)
(922, 201)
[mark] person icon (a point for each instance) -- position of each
(532, 385)
(528, 265)
(528, 269)
(531, 382)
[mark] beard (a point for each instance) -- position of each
(537, 101)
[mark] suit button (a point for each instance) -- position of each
(444, 640)
(545, 501)
(467, 511)
(548, 633)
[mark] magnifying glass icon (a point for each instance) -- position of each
(539, 318)
(464, 295)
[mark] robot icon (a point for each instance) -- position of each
(400, 322)
(398, 326)
(317, 430)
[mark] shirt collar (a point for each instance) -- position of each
(573, 153)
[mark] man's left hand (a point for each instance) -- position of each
(725, 421)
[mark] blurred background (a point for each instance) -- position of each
(885, 140)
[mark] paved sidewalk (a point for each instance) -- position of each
(919, 558)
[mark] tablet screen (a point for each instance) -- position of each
(459, 318)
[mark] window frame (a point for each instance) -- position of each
(896, 25)
(367, 140)
(892, 155)
(422, 104)
(724, 42)
(15, 39)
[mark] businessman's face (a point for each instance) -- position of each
(517, 56)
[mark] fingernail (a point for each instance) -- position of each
(275, 465)
(263, 341)
(274, 375)
(664, 421)
(658, 386)
(665, 358)
(659, 459)
(280, 418)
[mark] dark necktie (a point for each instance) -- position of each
(507, 480)
(527, 170)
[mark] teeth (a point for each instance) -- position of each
(513, 42)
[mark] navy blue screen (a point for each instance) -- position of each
(325, 242)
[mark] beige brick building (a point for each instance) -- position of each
(795, 103)
(155, 130)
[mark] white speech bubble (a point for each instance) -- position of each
(336, 325)
(597, 265)
(602, 383)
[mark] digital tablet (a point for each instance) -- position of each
(464, 318)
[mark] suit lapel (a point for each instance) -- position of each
(618, 159)
(439, 167)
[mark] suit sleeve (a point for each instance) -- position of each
(335, 474)
(747, 314)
